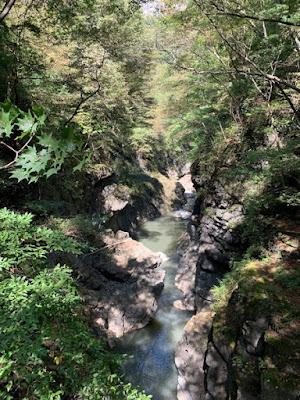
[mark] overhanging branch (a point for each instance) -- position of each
(6, 9)
(222, 11)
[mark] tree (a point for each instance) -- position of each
(6, 9)
(236, 84)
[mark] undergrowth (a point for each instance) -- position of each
(48, 350)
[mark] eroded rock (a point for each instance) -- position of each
(134, 281)
(120, 284)
(207, 373)
(190, 356)
(185, 278)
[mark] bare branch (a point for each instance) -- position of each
(17, 152)
(263, 74)
(289, 101)
(82, 101)
(26, 144)
(9, 147)
(9, 164)
(250, 17)
(6, 9)
(85, 99)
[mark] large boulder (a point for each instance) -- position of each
(133, 280)
(120, 284)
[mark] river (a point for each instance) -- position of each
(152, 367)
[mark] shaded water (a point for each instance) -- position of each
(152, 367)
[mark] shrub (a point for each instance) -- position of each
(47, 350)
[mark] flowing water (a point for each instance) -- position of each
(152, 367)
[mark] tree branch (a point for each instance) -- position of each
(269, 77)
(252, 17)
(84, 99)
(289, 101)
(17, 152)
(9, 147)
(6, 9)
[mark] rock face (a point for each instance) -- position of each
(202, 366)
(246, 351)
(188, 193)
(126, 206)
(112, 198)
(120, 284)
(189, 358)
(211, 243)
(186, 181)
(122, 281)
(121, 209)
(129, 300)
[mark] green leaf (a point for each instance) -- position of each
(48, 141)
(51, 172)
(33, 179)
(82, 163)
(39, 113)
(9, 385)
(6, 106)
(67, 133)
(19, 174)
(71, 146)
(6, 122)
(26, 124)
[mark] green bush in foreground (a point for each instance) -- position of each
(47, 349)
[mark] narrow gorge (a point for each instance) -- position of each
(201, 340)
(149, 200)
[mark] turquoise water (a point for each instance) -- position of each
(152, 367)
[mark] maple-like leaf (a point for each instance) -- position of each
(27, 124)
(19, 174)
(6, 123)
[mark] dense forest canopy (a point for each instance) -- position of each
(92, 87)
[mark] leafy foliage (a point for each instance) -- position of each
(230, 95)
(44, 158)
(48, 350)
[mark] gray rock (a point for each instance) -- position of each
(205, 238)
(183, 243)
(216, 367)
(192, 230)
(121, 291)
(185, 277)
(204, 365)
(206, 265)
(253, 335)
(122, 235)
(182, 214)
(205, 281)
(189, 358)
